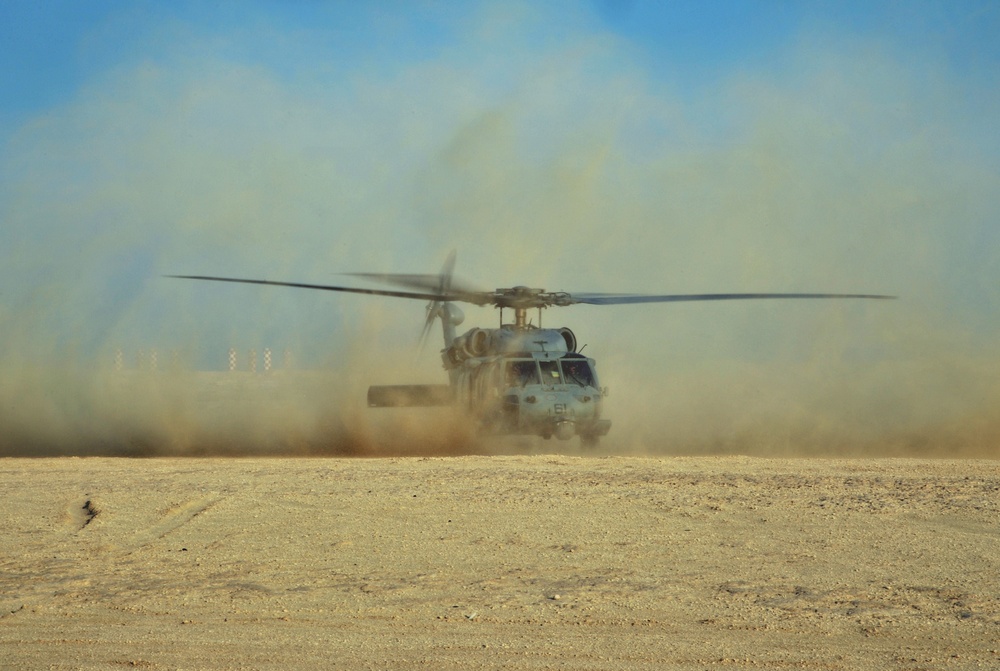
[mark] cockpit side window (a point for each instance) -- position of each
(521, 373)
(578, 372)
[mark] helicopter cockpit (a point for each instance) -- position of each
(522, 372)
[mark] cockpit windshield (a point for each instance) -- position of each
(521, 373)
(577, 372)
(551, 372)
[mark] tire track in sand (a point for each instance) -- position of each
(173, 520)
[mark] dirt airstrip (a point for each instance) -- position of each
(522, 562)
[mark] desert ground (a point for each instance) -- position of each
(530, 561)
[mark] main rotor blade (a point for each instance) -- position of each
(500, 298)
(617, 299)
(327, 287)
(419, 281)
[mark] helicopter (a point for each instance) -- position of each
(519, 378)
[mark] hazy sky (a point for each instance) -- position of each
(589, 146)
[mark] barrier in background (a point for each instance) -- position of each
(149, 360)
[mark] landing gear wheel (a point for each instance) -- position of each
(589, 442)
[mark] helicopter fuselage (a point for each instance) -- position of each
(517, 379)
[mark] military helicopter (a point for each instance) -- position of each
(518, 378)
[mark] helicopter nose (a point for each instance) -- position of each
(565, 430)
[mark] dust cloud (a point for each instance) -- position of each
(139, 414)
(566, 164)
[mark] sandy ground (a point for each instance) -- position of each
(522, 562)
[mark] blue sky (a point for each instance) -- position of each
(53, 48)
(590, 146)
